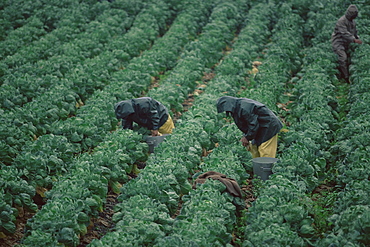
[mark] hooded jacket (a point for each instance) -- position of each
(144, 111)
(345, 31)
(253, 118)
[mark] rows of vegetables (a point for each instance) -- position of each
(68, 143)
(43, 165)
(64, 94)
(310, 153)
(147, 203)
(59, 133)
(351, 217)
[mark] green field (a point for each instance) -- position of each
(69, 173)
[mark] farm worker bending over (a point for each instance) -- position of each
(258, 123)
(147, 113)
(344, 34)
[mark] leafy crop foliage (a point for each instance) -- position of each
(61, 72)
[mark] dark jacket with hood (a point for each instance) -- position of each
(254, 119)
(144, 111)
(345, 31)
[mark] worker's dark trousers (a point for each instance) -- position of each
(342, 62)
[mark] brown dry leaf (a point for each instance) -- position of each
(282, 106)
(79, 103)
(256, 63)
(253, 71)
(20, 211)
(41, 191)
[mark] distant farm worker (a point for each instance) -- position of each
(344, 34)
(260, 126)
(147, 113)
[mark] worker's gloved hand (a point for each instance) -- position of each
(249, 147)
(244, 141)
(155, 133)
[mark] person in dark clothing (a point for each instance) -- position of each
(146, 112)
(344, 34)
(259, 124)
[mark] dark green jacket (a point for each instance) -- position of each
(144, 111)
(345, 29)
(254, 119)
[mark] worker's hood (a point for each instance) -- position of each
(123, 109)
(351, 12)
(226, 104)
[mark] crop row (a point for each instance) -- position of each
(230, 170)
(51, 155)
(289, 215)
(63, 97)
(79, 36)
(276, 216)
(206, 215)
(25, 22)
(183, 29)
(105, 46)
(222, 159)
(283, 212)
(351, 218)
(229, 156)
(42, 160)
